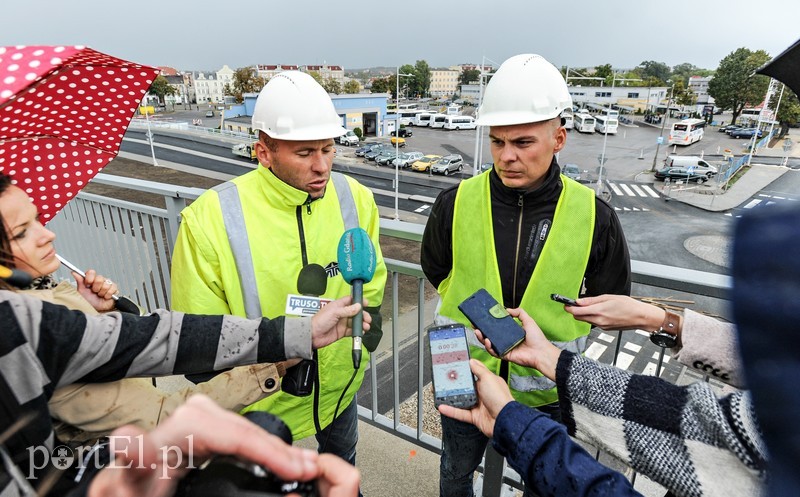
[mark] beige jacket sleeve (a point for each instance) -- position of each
(711, 347)
(89, 411)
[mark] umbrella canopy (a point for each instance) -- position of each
(785, 67)
(63, 113)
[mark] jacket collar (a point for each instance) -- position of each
(550, 189)
(282, 193)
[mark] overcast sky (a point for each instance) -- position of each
(205, 34)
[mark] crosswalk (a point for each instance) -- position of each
(633, 190)
(760, 200)
(637, 353)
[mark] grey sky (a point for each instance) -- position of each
(205, 34)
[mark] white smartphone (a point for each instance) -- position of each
(453, 383)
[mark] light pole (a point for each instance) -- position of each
(150, 135)
(396, 161)
(605, 134)
(664, 122)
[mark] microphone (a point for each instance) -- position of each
(356, 257)
(312, 280)
(19, 279)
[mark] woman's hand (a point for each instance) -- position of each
(617, 312)
(97, 290)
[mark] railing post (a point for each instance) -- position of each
(492, 473)
(174, 207)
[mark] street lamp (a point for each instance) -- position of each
(605, 134)
(663, 123)
(150, 134)
(396, 161)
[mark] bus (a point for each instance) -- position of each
(687, 132)
(423, 119)
(584, 123)
(459, 122)
(606, 124)
(406, 117)
(437, 120)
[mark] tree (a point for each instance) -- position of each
(604, 72)
(789, 110)
(469, 76)
(422, 79)
(383, 85)
(245, 80)
(653, 69)
(316, 75)
(683, 95)
(352, 87)
(735, 85)
(161, 88)
(332, 86)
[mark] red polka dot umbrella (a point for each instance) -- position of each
(63, 112)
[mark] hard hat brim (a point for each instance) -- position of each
(512, 118)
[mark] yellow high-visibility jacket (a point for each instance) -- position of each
(283, 232)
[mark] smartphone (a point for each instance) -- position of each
(496, 324)
(562, 299)
(453, 383)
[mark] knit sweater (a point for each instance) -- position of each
(684, 438)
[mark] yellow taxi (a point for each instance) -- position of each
(397, 140)
(425, 163)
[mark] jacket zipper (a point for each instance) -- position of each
(302, 235)
(516, 253)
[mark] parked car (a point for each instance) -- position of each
(424, 163)
(404, 132)
(396, 140)
(375, 152)
(408, 158)
(746, 133)
(698, 174)
(452, 163)
(571, 171)
(210, 113)
(485, 167)
(386, 156)
(362, 151)
(349, 138)
(728, 127)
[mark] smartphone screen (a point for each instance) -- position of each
(452, 378)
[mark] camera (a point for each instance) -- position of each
(229, 476)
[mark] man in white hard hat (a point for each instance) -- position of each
(522, 231)
(242, 245)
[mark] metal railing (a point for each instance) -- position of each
(134, 243)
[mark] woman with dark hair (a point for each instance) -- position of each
(88, 411)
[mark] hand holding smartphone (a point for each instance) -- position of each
(487, 315)
(453, 383)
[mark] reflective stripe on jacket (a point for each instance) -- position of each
(559, 269)
(278, 232)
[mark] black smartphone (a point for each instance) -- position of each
(453, 383)
(562, 299)
(487, 315)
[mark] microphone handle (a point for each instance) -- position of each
(358, 323)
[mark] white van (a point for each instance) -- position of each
(459, 122)
(438, 120)
(689, 161)
(423, 119)
(349, 138)
(568, 120)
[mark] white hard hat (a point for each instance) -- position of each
(293, 106)
(525, 89)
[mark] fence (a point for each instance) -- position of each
(134, 243)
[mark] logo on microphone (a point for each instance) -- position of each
(304, 305)
(332, 269)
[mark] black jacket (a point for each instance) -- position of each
(608, 270)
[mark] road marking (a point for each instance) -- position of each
(638, 191)
(752, 203)
(595, 350)
(632, 347)
(650, 369)
(624, 360)
(650, 191)
(605, 337)
(627, 190)
(426, 206)
(614, 187)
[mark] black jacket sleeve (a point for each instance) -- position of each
(436, 251)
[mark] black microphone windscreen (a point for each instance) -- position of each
(270, 423)
(312, 280)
